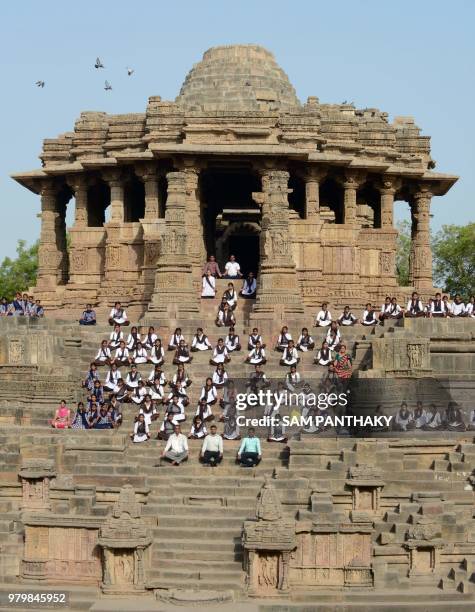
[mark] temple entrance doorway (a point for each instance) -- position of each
(231, 218)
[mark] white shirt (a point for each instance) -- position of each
(232, 268)
(249, 289)
(458, 309)
(177, 443)
(213, 443)
(324, 317)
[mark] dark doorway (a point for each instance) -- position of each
(246, 250)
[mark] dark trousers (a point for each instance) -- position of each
(249, 459)
(212, 457)
(83, 322)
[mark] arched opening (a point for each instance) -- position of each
(297, 199)
(368, 200)
(331, 201)
(231, 218)
(98, 201)
(134, 200)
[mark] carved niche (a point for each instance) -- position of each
(35, 475)
(366, 484)
(424, 543)
(78, 260)
(268, 542)
(124, 538)
(16, 351)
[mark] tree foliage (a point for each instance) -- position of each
(403, 249)
(20, 273)
(454, 259)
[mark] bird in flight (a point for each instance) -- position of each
(98, 63)
(40, 83)
(130, 71)
(107, 86)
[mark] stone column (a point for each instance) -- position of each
(193, 220)
(116, 184)
(49, 255)
(313, 178)
(174, 298)
(350, 185)
(149, 176)
(420, 263)
(78, 184)
(387, 189)
(278, 293)
(113, 287)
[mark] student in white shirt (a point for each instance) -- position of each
(369, 316)
(156, 391)
(232, 269)
(290, 355)
(133, 378)
(198, 429)
(149, 340)
(122, 356)
(230, 296)
(395, 311)
(176, 448)
(157, 354)
(232, 341)
(141, 431)
(254, 338)
(115, 337)
(157, 373)
(432, 420)
(118, 315)
(212, 449)
(225, 316)
(148, 410)
(204, 411)
(208, 392)
(208, 286)
(112, 378)
(220, 354)
(200, 341)
(385, 308)
(133, 338)
(176, 408)
(139, 355)
(458, 307)
(182, 354)
(220, 376)
(293, 379)
(347, 317)
(325, 355)
(333, 337)
(175, 339)
(324, 317)
(257, 355)
(277, 430)
(283, 339)
(305, 342)
(414, 306)
(103, 356)
(139, 393)
(470, 307)
(249, 287)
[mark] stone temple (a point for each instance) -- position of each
(303, 195)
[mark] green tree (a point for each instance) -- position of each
(454, 259)
(20, 273)
(403, 249)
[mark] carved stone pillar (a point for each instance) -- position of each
(149, 177)
(420, 262)
(78, 183)
(350, 184)
(116, 184)
(113, 254)
(193, 221)
(173, 296)
(49, 254)
(278, 293)
(387, 189)
(312, 196)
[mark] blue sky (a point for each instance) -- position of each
(405, 57)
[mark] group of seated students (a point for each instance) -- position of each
(451, 419)
(21, 306)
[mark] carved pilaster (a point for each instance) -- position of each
(173, 295)
(420, 262)
(277, 282)
(116, 184)
(79, 185)
(351, 183)
(149, 177)
(49, 254)
(194, 221)
(313, 178)
(387, 188)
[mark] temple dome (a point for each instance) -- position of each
(237, 78)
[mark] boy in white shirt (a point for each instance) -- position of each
(324, 317)
(212, 449)
(232, 269)
(176, 449)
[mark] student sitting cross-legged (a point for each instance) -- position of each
(88, 316)
(212, 449)
(176, 448)
(200, 341)
(232, 341)
(249, 453)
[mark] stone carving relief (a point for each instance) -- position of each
(112, 257)
(386, 261)
(416, 354)
(16, 351)
(79, 260)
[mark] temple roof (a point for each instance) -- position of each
(237, 77)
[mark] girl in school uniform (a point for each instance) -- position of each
(292, 379)
(175, 407)
(175, 339)
(157, 354)
(324, 317)
(470, 307)
(179, 384)
(92, 415)
(118, 315)
(249, 287)
(208, 286)
(290, 355)
(208, 392)
(150, 338)
(283, 339)
(325, 355)
(257, 356)
(231, 429)
(80, 420)
(230, 296)
(98, 392)
(220, 354)
(149, 411)
(305, 342)
(225, 317)
(203, 411)
(139, 393)
(103, 356)
(347, 318)
(156, 391)
(254, 338)
(91, 377)
(198, 429)
(133, 339)
(157, 373)
(122, 355)
(220, 376)
(140, 354)
(229, 398)
(200, 341)
(232, 341)
(4, 308)
(369, 316)
(122, 392)
(133, 378)
(182, 354)
(112, 378)
(141, 431)
(103, 420)
(115, 337)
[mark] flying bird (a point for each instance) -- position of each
(107, 86)
(98, 63)
(40, 83)
(130, 71)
